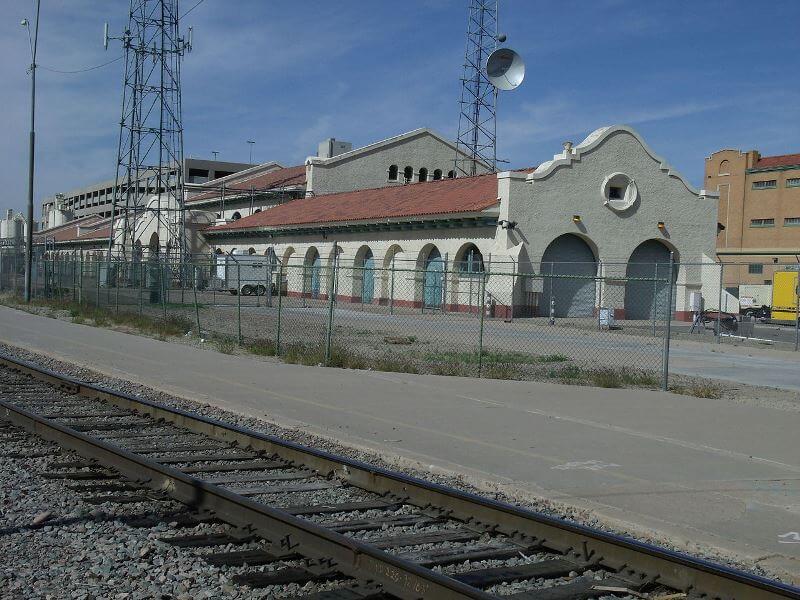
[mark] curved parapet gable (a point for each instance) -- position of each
(594, 140)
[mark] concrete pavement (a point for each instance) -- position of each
(697, 470)
(752, 366)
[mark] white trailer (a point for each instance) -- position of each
(248, 275)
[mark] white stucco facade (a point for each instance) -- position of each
(563, 220)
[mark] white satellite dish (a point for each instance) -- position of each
(505, 69)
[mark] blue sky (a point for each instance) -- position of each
(691, 76)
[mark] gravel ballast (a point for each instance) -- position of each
(298, 435)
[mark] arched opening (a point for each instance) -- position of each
(569, 271)
(408, 174)
(648, 281)
(251, 251)
(364, 275)
(469, 260)
(393, 170)
(391, 261)
(724, 168)
(154, 246)
(466, 288)
(236, 216)
(258, 210)
(423, 174)
(312, 273)
(451, 174)
(437, 174)
(290, 281)
(136, 266)
(432, 278)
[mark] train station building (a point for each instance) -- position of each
(606, 208)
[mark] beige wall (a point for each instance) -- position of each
(739, 203)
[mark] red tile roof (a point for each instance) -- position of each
(462, 195)
(97, 234)
(279, 178)
(68, 231)
(783, 160)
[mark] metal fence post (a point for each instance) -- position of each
(331, 300)
(116, 284)
(443, 307)
(482, 316)
(239, 302)
(719, 310)
(196, 307)
(599, 292)
(142, 274)
(97, 303)
(280, 311)
(668, 328)
(655, 300)
(391, 290)
(163, 286)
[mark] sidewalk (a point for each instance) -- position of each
(697, 470)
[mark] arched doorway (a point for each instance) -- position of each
(313, 273)
(364, 275)
(644, 299)
(569, 270)
(468, 272)
(154, 246)
(433, 280)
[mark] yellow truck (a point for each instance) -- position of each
(784, 296)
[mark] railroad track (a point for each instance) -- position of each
(303, 515)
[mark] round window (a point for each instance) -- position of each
(619, 192)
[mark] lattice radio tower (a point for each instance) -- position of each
(148, 191)
(477, 125)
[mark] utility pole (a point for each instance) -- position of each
(32, 145)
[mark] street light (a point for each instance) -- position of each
(251, 142)
(29, 232)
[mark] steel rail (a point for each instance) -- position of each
(621, 554)
(284, 534)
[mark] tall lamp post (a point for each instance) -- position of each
(251, 142)
(32, 144)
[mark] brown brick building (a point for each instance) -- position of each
(759, 213)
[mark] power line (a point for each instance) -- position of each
(191, 9)
(84, 70)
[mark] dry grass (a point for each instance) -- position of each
(83, 313)
(698, 390)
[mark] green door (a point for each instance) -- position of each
(432, 283)
(368, 279)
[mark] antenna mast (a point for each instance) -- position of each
(148, 195)
(477, 125)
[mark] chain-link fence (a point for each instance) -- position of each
(605, 324)
(753, 303)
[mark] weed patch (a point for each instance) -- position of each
(226, 345)
(261, 347)
(605, 378)
(698, 390)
